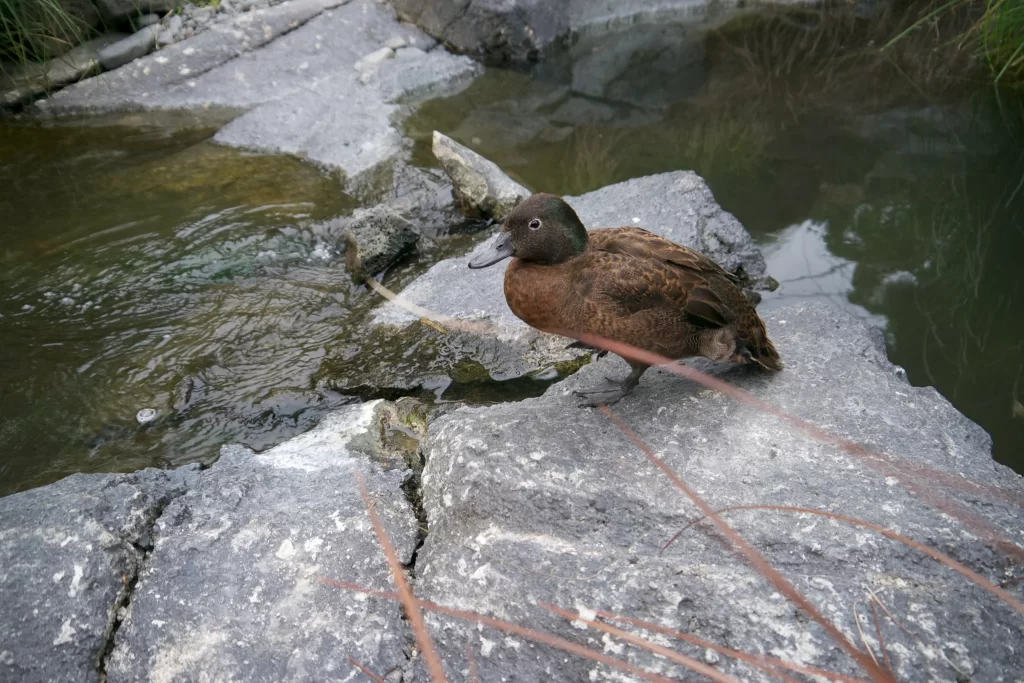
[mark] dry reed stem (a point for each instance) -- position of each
(931, 552)
(508, 627)
(412, 612)
(374, 677)
(766, 663)
(881, 640)
(752, 556)
(474, 672)
(688, 662)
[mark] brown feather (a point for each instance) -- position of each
(635, 287)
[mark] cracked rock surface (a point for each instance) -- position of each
(212, 574)
(232, 591)
(69, 555)
(543, 501)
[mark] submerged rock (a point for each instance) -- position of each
(376, 239)
(483, 191)
(563, 487)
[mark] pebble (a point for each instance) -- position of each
(396, 43)
(68, 301)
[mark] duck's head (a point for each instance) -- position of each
(543, 229)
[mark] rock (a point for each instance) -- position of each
(231, 590)
(69, 555)
(676, 205)
(396, 43)
(376, 238)
(116, 10)
(483, 191)
(147, 20)
(373, 60)
(562, 487)
(299, 95)
(164, 38)
(139, 44)
(173, 25)
(499, 31)
(22, 84)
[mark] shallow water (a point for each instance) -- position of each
(144, 267)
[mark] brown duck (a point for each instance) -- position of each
(625, 284)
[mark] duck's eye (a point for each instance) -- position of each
(535, 224)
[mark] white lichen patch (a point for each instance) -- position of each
(67, 633)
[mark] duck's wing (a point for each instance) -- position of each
(621, 286)
(641, 244)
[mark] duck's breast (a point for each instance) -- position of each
(536, 294)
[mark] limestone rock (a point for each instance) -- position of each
(483, 191)
(563, 488)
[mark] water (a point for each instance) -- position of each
(144, 267)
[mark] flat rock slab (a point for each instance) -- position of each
(68, 555)
(676, 205)
(519, 31)
(231, 590)
(543, 501)
(292, 70)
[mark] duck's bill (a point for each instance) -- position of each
(499, 250)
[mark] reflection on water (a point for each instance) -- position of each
(887, 184)
(812, 271)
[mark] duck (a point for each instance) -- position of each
(625, 284)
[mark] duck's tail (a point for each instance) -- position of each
(759, 348)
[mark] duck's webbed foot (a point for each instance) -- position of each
(601, 353)
(612, 392)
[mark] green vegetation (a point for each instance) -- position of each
(36, 30)
(994, 34)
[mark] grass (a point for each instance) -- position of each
(37, 30)
(996, 36)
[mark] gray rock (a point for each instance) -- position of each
(231, 590)
(300, 93)
(499, 31)
(147, 20)
(139, 44)
(376, 238)
(116, 10)
(22, 84)
(481, 188)
(562, 488)
(164, 38)
(69, 554)
(173, 25)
